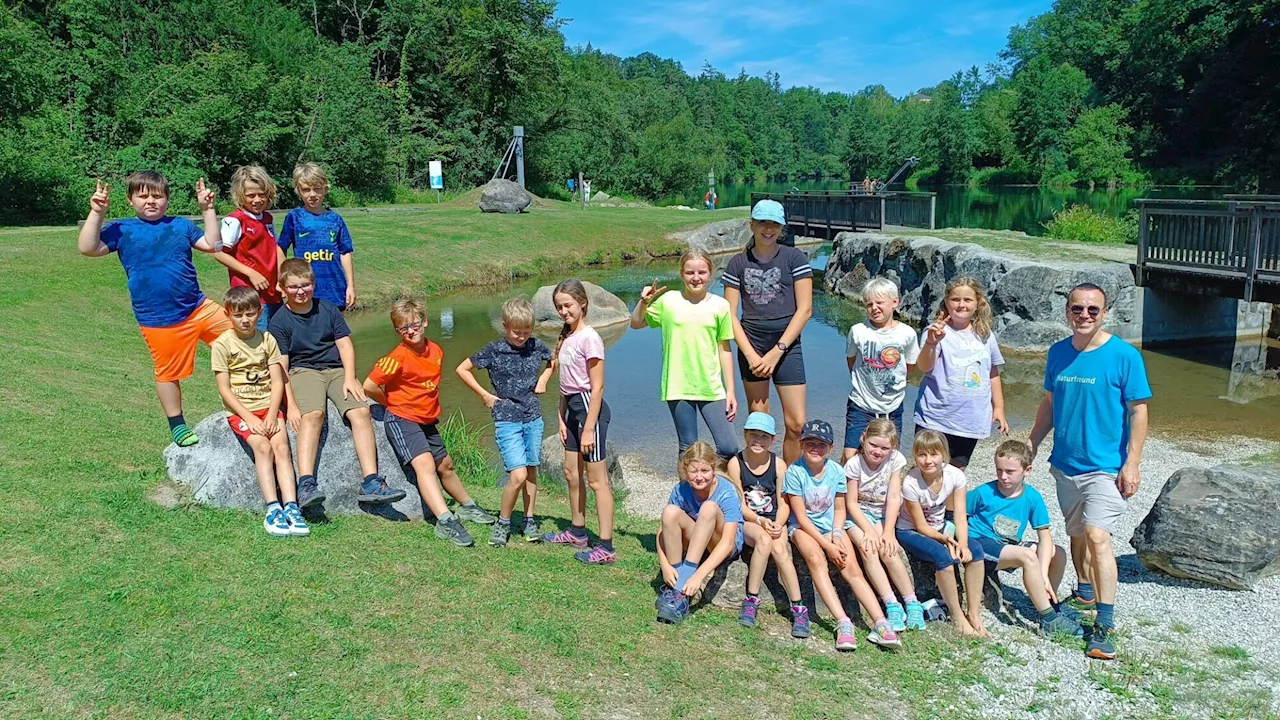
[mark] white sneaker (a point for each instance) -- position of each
(275, 523)
(297, 525)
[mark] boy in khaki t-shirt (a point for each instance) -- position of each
(247, 365)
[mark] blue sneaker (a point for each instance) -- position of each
(896, 616)
(750, 606)
(673, 607)
(915, 616)
(309, 493)
(275, 523)
(375, 490)
(799, 622)
(297, 525)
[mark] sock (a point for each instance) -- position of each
(271, 505)
(753, 596)
(910, 598)
(844, 620)
(890, 599)
(797, 605)
(1048, 613)
(290, 505)
(505, 522)
(177, 421)
(578, 530)
(684, 571)
(1084, 591)
(607, 545)
(306, 480)
(181, 435)
(1107, 615)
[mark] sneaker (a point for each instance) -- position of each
(915, 615)
(1059, 623)
(565, 537)
(884, 636)
(473, 513)
(297, 525)
(747, 616)
(309, 494)
(1101, 644)
(800, 622)
(599, 556)
(375, 490)
(452, 530)
(498, 537)
(531, 532)
(275, 523)
(1083, 612)
(845, 639)
(896, 616)
(672, 606)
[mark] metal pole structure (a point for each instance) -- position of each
(519, 146)
(933, 209)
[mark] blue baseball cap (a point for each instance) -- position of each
(817, 430)
(769, 210)
(762, 422)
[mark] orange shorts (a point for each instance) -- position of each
(241, 429)
(173, 348)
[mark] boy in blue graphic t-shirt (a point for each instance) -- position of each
(320, 236)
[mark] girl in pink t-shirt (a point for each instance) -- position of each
(584, 423)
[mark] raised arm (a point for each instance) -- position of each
(647, 296)
(90, 240)
(212, 240)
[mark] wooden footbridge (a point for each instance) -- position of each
(823, 214)
(1228, 247)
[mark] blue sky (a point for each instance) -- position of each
(842, 45)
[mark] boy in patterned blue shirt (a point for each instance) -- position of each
(319, 235)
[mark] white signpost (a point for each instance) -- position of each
(437, 177)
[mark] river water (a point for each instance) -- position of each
(1197, 394)
(1021, 208)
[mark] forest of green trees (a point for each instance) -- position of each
(1093, 92)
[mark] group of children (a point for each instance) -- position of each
(281, 352)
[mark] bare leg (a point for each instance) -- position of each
(509, 494)
(1025, 558)
(170, 397)
(530, 491)
(946, 580)
(757, 538)
(871, 563)
(284, 466)
(598, 479)
(786, 569)
(424, 466)
(793, 416)
(1057, 566)
(817, 562)
(862, 591)
(264, 467)
(676, 530)
(975, 573)
(577, 493)
(1080, 558)
(897, 571)
(1102, 563)
(309, 442)
(757, 395)
(707, 528)
(452, 483)
(362, 435)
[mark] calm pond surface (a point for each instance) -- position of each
(1196, 391)
(1021, 208)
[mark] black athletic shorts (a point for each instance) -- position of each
(961, 448)
(764, 336)
(410, 439)
(575, 416)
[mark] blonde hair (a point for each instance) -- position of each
(700, 451)
(880, 287)
(1015, 450)
(407, 310)
(574, 289)
(881, 428)
(310, 174)
(931, 441)
(695, 254)
(518, 313)
(983, 322)
(296, 268)
(252, 173)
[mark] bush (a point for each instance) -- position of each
(471, 458)
(1080, 223)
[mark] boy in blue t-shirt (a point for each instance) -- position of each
(155, 250)
(319, 235)
(999, 512)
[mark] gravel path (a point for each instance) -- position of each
(1186, 649)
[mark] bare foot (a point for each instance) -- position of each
(968, 630)
(978, 628)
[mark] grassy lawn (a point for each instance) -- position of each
(113, 607)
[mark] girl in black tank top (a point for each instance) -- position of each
(760, 491)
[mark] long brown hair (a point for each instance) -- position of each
(574, 289)
(983, 321)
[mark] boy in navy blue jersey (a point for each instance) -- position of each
(319, 235)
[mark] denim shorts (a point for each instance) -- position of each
(991, 548)
(519, 444)
(857, 419)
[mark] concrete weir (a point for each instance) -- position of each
(1028, 297)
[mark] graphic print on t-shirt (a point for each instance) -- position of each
(1007, 528)
(762, 285)
(969, 361)
(759, 499)
(881, 363)
(818, 499)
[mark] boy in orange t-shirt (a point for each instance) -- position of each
(407, 383)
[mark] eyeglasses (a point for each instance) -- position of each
(410, 328)
(299, 288)
(1093, 310)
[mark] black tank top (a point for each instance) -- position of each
(761, 491)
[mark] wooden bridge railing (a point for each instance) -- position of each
(832, 212)
(1233, 242)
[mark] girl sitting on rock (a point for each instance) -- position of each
(961, 394)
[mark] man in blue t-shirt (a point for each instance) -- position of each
(1095, 401)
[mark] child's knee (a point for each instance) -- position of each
(765, 544)
(313, 419)
(360, 416)
(671, 516)
(793, 424)
(598, 484)
(710, 510)
(518, 476)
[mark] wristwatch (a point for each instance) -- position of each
(782, 347)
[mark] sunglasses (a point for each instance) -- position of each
(1093, 310)
(411, 327)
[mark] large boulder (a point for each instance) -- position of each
(219, 470)
(604, 309)
(725, 236)
(504, 196)
(1219, 525)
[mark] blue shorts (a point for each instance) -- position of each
(991, 548)
(857, 419)
(519, 444)
(930, 550)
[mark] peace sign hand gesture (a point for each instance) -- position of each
(101, 200)
(651, 293)
(204, 196)
(936, 331)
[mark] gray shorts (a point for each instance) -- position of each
(1090, 499)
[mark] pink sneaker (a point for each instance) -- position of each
(597, 556)
(845, 639)
(884, 636)
(565, 537)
